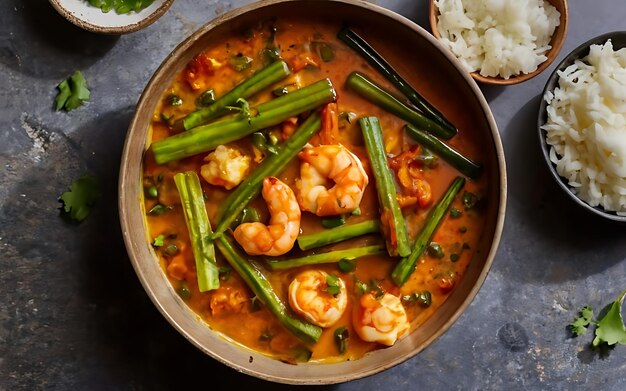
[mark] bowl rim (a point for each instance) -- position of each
(553, 53)
(579, 52)
(117, 30)
(128, 176)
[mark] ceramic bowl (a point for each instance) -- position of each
(618, 39)
(445, 78)
(91, 18)
(556, 42)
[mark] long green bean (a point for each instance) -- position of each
(392, 221)
(357, 43)
(377, 95)
(329, 257)
(263, 78)
(261, 287)
(338, 234)
(199, 228)
(272, 165)
(207, 137)
(406, 266)
(447, 153)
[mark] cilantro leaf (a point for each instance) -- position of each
(159, 241)
(610, 328)
(121, 6)
(73, 92)
(581, 323)
(77, 202)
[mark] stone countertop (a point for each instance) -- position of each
(73, 315)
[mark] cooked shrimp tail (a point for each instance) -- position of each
(335, 163)
(284, 226)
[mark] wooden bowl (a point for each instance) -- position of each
(442, 80)
(556, 42)
(618, 39)
(91, 18)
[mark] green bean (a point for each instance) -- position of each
(336, 235)
(207, 137)
(392, 220)
(447, 153)
(255, 83)
(381, 65)
(329, 257)
(199, 227)
(272, 165)
(377, 95)
(252, 274)
(406, 266)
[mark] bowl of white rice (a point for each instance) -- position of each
(501, 41)
(582, 125)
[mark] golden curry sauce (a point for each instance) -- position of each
(232, 309)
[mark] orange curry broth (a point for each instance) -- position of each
(230, 309)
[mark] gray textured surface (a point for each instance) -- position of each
(74, 317)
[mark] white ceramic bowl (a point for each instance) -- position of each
(91, 18)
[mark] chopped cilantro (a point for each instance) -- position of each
(73, 92)
(347, 265)
(341, 335)
(159, 241)
(455, 213)
(332, 284)
(77, 202)
(120, 6)
(580, 324)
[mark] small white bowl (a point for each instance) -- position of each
(91, 18)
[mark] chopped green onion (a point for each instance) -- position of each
(469, 200)
(174, 100)
(347, 265)
(434, 250)
(240, 62)
(341, 336)
(205, 99)
(159, 209)
(159, 241)
(333, 222)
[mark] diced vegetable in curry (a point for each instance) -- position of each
(301, 200)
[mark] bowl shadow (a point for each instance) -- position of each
(572, 244)
(42, 35)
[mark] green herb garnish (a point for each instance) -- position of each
(83, 194)
(332, 284)
(73, 92)
(121, 6)
(159, 241)
(610, 328)
(341, 335)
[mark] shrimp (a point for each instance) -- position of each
(380, 320)
(279, 236)
(333, 162)
(308, 297)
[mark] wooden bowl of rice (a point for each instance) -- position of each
(490, 72)
(582, 126)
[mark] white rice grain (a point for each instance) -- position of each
(586, 127)
(498, 37)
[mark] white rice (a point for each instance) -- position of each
(586, 127)
(497, 37)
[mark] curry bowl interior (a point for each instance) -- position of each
(442, 81)
(618, 38)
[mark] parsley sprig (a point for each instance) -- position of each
(610, 328)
